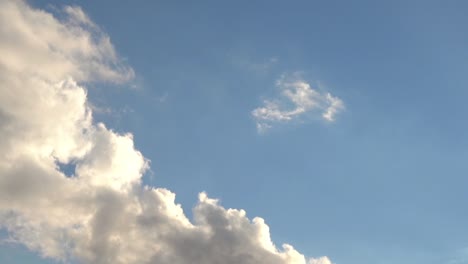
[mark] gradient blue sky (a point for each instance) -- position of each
(385, 183)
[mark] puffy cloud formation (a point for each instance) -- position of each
(102, 213)
(297, 100)
(321, 260)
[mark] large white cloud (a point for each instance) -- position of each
(102, 213)
(297, 99)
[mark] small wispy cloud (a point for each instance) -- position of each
(262, 67)
(459, 256)
(259, 66)
(297, 99)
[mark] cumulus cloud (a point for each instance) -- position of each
(321, 260)
(297, 99)
(101, 213)
(35, 42)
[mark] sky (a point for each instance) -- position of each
(289, 132)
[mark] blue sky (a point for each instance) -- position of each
(383, 183)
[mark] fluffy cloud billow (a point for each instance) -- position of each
(102, 213)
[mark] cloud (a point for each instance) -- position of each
(321, 260)
(101, 213)
(35, 42)
(255, 66)
(297, 99)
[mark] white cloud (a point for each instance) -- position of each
(297, 99)
(102, 213)
(321, 260)
(335, 105)
(35, 42)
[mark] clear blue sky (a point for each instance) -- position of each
(384, 183)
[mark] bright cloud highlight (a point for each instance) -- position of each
(102, 213)
(297, 99)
